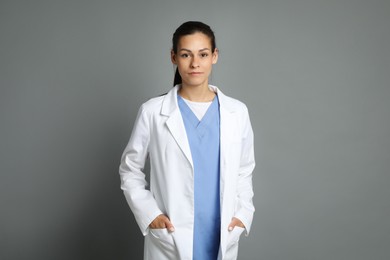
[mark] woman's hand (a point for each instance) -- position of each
(162, 221)
(235, 222)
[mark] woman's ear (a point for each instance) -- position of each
(215, 56)
(173, 57)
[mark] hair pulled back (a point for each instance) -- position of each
(189, 28)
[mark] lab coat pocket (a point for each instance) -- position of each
(232, 243)
(163, 239)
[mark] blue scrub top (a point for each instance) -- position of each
(204, 139)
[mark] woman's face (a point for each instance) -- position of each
(194, 59)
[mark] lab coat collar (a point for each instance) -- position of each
(175, 124)
(170, 101)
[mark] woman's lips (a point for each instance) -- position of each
(195, 73)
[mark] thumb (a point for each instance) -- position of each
(231, 226)
(169, 225)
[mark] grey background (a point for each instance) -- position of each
(314, 74)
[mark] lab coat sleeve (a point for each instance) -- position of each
(133, 181)
(245, 207)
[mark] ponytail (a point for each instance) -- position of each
(177, 79)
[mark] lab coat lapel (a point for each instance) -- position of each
(226, 133)
(175, 122)
(227, 123)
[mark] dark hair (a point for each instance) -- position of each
(188, 28)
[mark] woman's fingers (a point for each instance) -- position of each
(162, 221)
(235, 222)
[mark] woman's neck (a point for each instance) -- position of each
(197, 93)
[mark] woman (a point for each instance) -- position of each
(200, 145)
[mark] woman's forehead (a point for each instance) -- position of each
(196, 41)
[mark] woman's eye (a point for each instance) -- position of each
(184, 55)
(203, 55)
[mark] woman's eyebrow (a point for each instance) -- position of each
(184, 49)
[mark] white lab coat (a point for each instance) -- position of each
(159, 133)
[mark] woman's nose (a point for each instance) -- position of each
(194, 62)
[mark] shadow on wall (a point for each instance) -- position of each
(101, 225)
(105, 231)
(105, 228)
